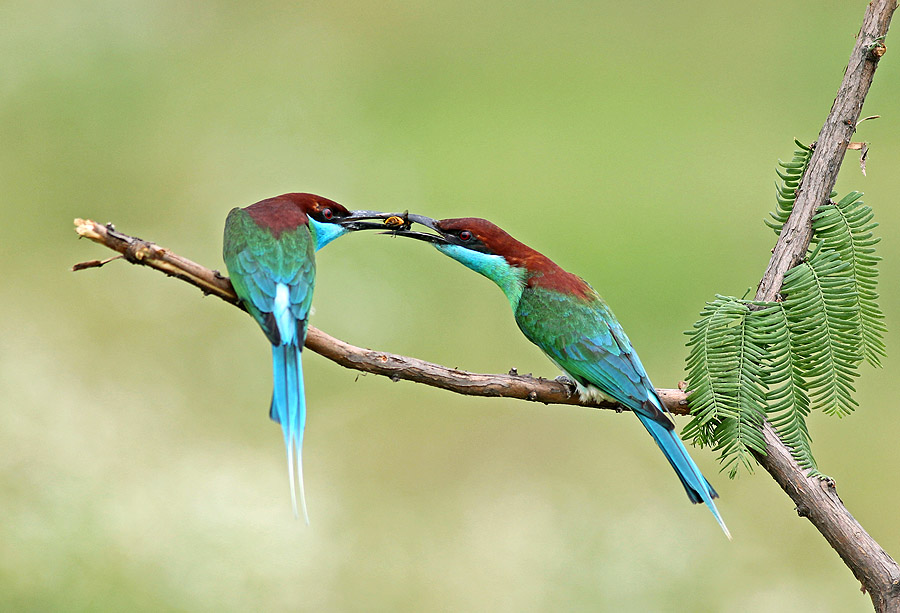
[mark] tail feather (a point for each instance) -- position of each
(289, 409)
(697, 487)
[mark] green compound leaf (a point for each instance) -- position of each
(790, 174)
(787, 402)
(846, 227)
(821, 312)
(728, 394)
(751, 361)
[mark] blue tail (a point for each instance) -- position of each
(698, 488)
(289, 409)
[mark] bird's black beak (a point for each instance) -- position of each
(359, 220)
(428, 222)
(398, 224)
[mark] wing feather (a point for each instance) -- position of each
(584, 338)
(258, 262)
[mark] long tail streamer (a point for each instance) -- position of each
(698, 488)
(289, 410)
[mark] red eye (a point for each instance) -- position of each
(327, 214)
(465, 235)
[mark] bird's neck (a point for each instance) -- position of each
(556, 279)
(511, 279)
(324, 233)
(276, 216)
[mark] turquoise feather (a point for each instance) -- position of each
(274, 276)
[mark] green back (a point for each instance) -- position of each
(257, 262)
(583, 337)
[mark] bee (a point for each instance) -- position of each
(396, 222)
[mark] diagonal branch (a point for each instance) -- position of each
(817, 500)
(395, 367)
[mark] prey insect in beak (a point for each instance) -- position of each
(428, 222)
(359, 220)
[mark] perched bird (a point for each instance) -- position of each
(269, 250)
(564, 316)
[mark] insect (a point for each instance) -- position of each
(397, 222)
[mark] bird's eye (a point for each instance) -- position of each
(465, 235)
(328, 214)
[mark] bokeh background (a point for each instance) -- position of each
(633, 143)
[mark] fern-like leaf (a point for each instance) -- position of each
(725, 372)
(820, 311)
(846, 227)
(787, 401)
(710, 364)
(786, 191)
(790, 174)
(752, 361)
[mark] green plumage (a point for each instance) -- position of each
(583, 337)
(570, 322)
(270, 255)
(257, 261)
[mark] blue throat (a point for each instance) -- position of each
(510, 279)
(324, 233)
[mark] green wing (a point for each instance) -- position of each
(583, 337)
(257, 262)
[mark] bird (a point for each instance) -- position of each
(569, 321)
(269, 250)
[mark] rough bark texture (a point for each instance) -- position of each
(818, 501)
(830, 147)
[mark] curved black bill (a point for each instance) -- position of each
(399, 224)
(428, 222)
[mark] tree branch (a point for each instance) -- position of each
(835, 136)
(395, 367)
(817, 499)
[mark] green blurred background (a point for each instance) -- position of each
(633, 144)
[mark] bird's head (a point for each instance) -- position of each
(475, 242)
(485, 248)
(327, 218)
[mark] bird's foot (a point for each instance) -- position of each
(571, 386)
